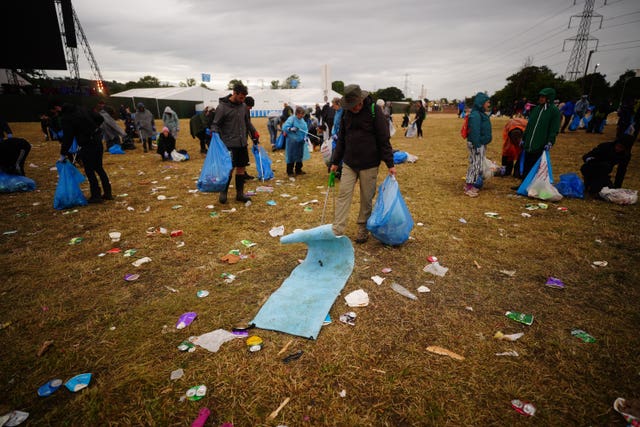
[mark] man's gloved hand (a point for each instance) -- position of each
(588, 159)
(521, 144)
(255, 141)
(548, 146)
(334, 137)
(293, 129)
(256, 136)
(62, 158)
(207, 131)
(9, 135)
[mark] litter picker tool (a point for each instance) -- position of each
(330, 185)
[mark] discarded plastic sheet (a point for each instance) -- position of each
(600, 263)
(141, 261)
(302, 302)
(444, 352)
(386, 270)
(78, 382)
(349, 318)
(271, 202)
(277, 231)
(232, 210)
(49, 387)
(264, 189)
(357, 298)
(585, 337)
(403, 291)
(185, 319)
(524, 408)
(527, 319)
(14, 418)
(509, 273)
(511, 337)
(462, 220)
(115, 236)
(423, 289)
(213, 340)
(495, 215)
(309, 202)
(131, 277)
(525, 215)
(436, 269)
(554, 282)
(75, 240)
(508, 353)
(377, 279)
(202, 293)
(177, 374)
(114, 251)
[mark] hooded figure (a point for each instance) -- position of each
(542, 128)
(170, 120)
(477, 139)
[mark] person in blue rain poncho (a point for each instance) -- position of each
(295, 129)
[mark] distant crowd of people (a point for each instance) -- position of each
(353, 132)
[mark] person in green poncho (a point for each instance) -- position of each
(542, 128)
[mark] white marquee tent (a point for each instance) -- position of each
(267, 100)
(272, 100)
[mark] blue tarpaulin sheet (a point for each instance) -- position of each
(302, 302)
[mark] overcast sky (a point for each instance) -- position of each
(448, 48)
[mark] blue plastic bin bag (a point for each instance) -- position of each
(263, 163)
(68, 193)
(15, 183)
(400, 157)
(390, 221)
(570, 185)
(216, 168)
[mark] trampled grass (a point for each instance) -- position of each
(124, 332)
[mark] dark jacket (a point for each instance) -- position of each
(479, 124)
(606, 155)
(81, 124)
(166, 144)
(363, 140)
(232, 123)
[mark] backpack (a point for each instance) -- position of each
(464, 131)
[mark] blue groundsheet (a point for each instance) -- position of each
(302, 302)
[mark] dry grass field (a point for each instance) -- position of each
(124, 332)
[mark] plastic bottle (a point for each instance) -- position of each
(402, 291)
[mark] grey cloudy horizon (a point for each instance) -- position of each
(439, 49)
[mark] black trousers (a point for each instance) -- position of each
(91, 156)
(13, 153)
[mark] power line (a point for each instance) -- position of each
(619, 25)
(622, 16)
(613, 44)
(619, 48)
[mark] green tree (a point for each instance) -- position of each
(627, 86)
(389, 94)
(595, 86)
(191, 82)
(233, 82)
(338, 86)
(527, 83)
(275, 84)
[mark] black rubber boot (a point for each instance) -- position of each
(223, 194)
(240, 189)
